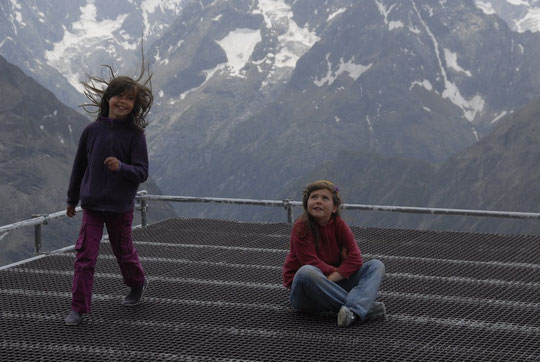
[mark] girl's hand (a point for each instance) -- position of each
(70, 211)
(335, 277)
(112, 163)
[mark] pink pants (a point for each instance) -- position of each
(119, 230)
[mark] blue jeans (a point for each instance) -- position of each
(312, 292)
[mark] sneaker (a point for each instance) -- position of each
(345, 317)
(73, 318)
(135, 295)
(376, 313)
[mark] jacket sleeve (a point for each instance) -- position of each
(137, 170)
(353, 261)
(304, 249)
(77, 172)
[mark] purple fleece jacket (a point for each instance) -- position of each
(91, 182)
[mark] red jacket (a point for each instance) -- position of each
(334, 236)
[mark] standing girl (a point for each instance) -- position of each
(324, 268)
(110, 163)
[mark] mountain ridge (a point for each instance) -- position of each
(253, 96)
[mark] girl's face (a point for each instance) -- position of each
(321, 206)
(120, 106)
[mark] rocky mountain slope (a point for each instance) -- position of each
(411, 79)
(520, 15)
(498, 173)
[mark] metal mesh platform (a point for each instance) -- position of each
(215, 294)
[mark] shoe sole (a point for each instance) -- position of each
(343, 318)
(141, 298)
(73, 323)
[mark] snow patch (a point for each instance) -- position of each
(6, 38)
(335, 13)
(518, 2)
(486, 7)
(354, 71)
(451, 61)
(369, 123)
(499, 116)
(395, 25)
(475, 133)
(425, 83)
(293, 40)
(527, 18)
(18, 14)
(149, 7)
(385, 12)
(87, 30)
(208, 74)
(371, 130)
(414, 30)
(158, 60)
(239, 45)
(470, 108)
(531, 21)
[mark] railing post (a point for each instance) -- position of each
(288, 207)
(144, 207)
(37, 234)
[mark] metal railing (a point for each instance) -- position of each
(36, 221)
(143, 197)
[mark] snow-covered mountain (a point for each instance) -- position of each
(520, 15)
(409, 79)
(58, 42)
(253, 95)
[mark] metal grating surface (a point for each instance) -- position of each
(215, 294)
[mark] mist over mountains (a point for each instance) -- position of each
(412, 103)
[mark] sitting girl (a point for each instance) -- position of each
(324, 268)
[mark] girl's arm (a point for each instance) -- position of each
(77, 172)
(304, 249)
(352, 261)
(137, 170)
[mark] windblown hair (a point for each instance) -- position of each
(307, 219)
(98, 90)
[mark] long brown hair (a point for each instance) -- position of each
(98, 90)
(307, 219)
